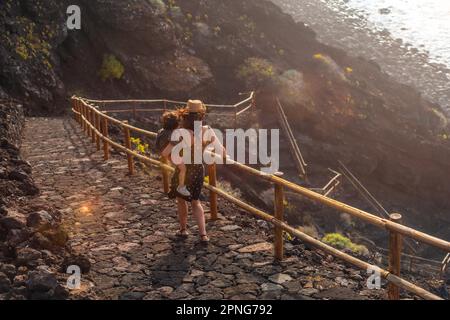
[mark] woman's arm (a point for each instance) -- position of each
(211, 138)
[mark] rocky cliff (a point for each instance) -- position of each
(342, 107)
(33, 249)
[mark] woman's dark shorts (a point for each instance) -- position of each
(195, 176)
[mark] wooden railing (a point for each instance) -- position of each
(235, 110)
(295, 149)
(95, 124)
(332, 184)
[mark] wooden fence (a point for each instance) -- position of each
(95, 124)
(236, 110)
(295, 149)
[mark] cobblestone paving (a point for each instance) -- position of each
(126, 226)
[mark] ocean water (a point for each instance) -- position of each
(425, 24)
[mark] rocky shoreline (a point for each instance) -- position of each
(342, 27)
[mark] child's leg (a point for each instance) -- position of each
(181, 181)
(177, 160)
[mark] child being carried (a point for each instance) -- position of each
(164, 145)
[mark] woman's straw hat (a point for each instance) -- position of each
(196, 106)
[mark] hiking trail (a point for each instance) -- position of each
(126, 226)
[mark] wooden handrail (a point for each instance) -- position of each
(379, 222)
(244, 110)
(250, 98)
(400, 282)
(162, 110)
(295, 149)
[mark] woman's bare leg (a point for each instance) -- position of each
(182, 175)
(182, 213)
(199, 215)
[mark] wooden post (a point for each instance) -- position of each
(73, 104)
(78, 104)
(93, 114)
(165, 176)
(98, 126)
(126, 132)
(86, 116)
(90, 115)
(279, 215)
(212, 173)
(395, 252)
(86, 112)
(105, 143)
(83, 114)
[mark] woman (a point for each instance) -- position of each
(195, 172)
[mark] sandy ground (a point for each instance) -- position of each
(348, 30)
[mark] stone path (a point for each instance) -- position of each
(125, 226)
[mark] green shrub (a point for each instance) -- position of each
(256, 71)
(111, 68)
(176, 12)
(30, 44)
(159, 6)
(22, 51)
(339, 241)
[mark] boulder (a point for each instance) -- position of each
(29, 188)
(40, 221)
(270, 287)
(58, 237)
(28, 257)
(280, 278)
(39, 241)
(3, 234)
(77, 260)
(20, 280)
(18, 174)
(132, 296)
(5, 283)
(17, 236)
(9, 270)
(10, 223)
(41, 281)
